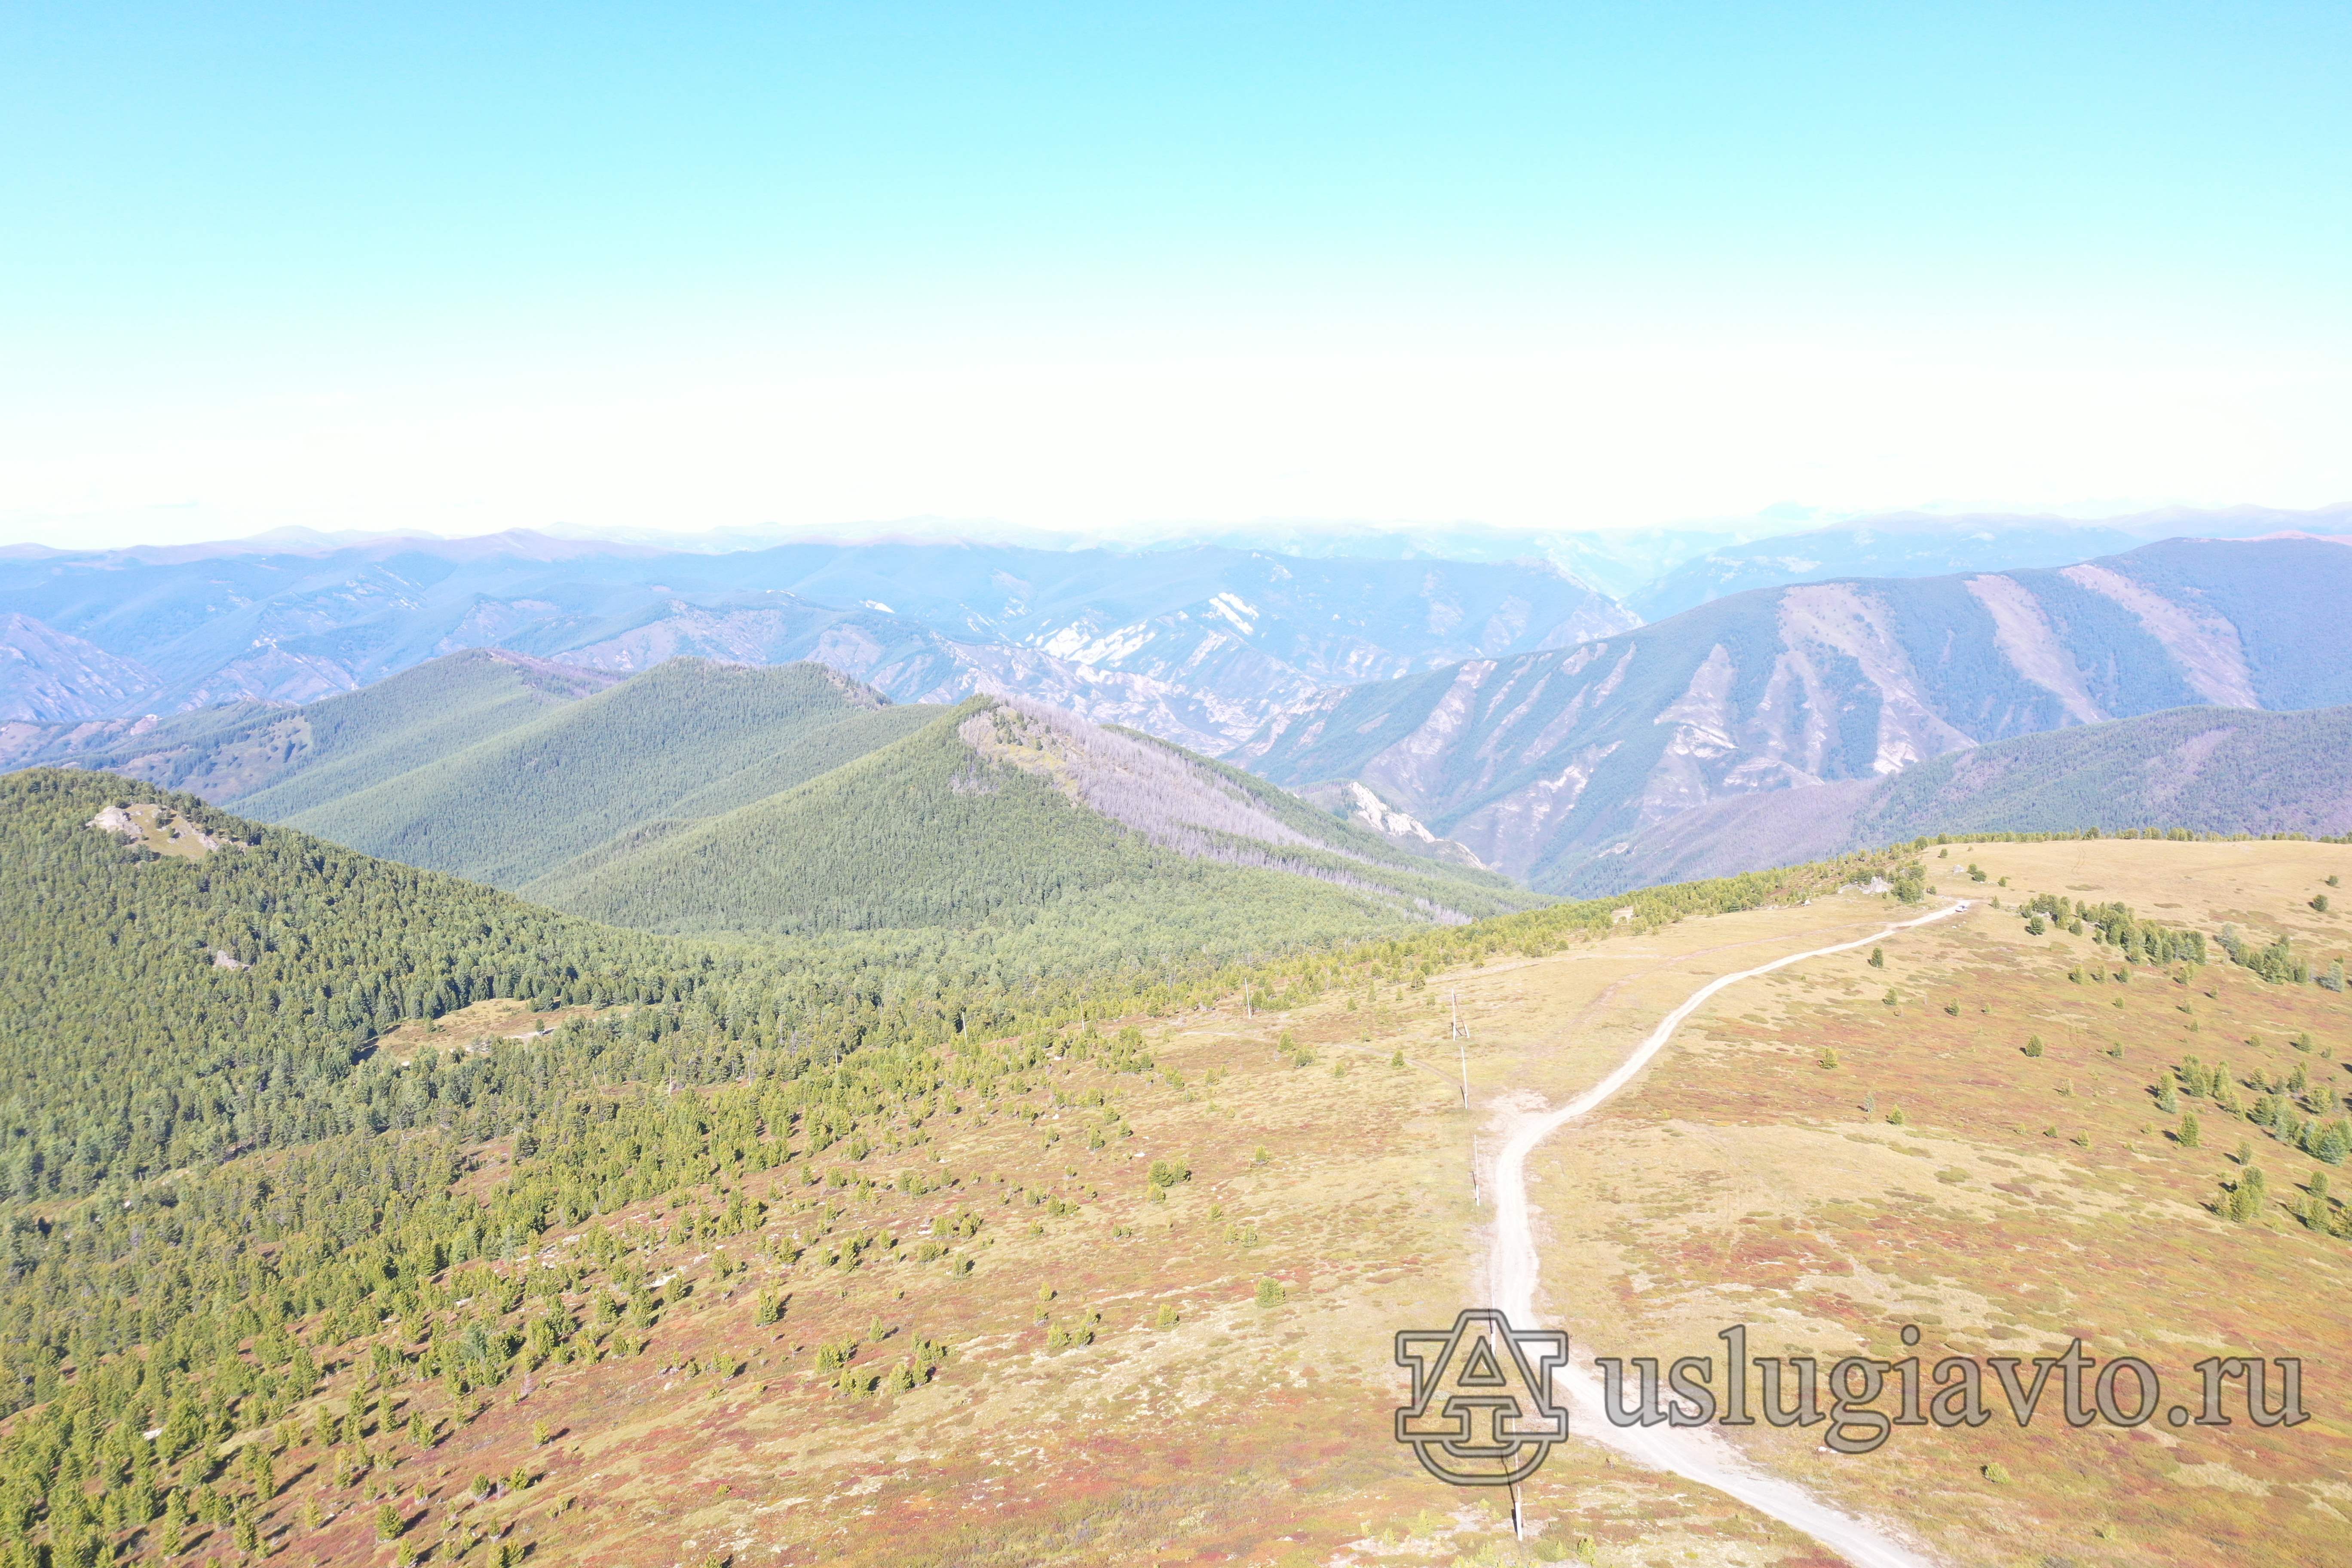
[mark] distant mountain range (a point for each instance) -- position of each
(1485, 717)
(793, 802)
(1199, 645)
(1551, 765)
(1908, 545)
(1660, 571)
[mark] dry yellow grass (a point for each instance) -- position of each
(2022, 1201)
(1736, 1180)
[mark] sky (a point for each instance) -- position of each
(1131, 270)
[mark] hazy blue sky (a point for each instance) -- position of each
(1123, 267)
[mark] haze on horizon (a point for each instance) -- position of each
(1128, 275)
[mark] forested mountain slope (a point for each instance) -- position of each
(1542, 763)
(161, 1012)
(676, 801)
(349, 1208)
(2209, 770)
(686, 738)
(1006, 815)
(275, 759)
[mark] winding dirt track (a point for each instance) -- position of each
(1694, 1452)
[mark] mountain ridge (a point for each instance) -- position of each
(1198, 645)
(790, 802)
(1542, 763)
(1007, 814)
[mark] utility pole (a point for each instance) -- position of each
(1475, 1200)
(1462, 1049)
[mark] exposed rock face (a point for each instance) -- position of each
(1358, 804)
(1550, 762)
(49, 676)
(117, 820)
(160, 828)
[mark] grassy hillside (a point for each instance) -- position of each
(942, 829)
(683, 737)
(2009, 1133)
(2209, 770)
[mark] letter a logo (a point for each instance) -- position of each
(1481, 1413)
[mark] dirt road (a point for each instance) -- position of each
(1694, 1452)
